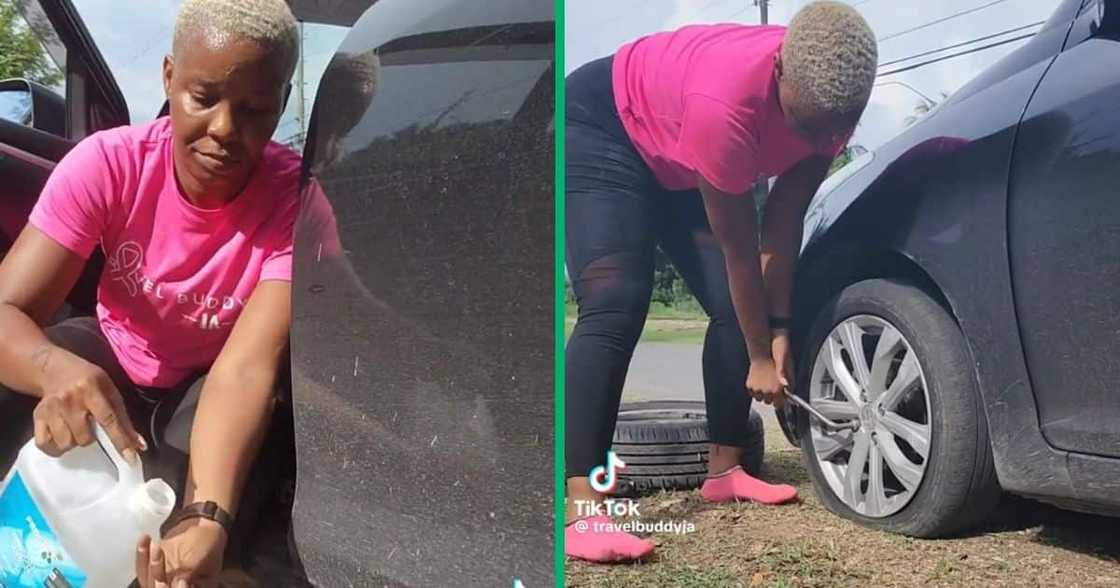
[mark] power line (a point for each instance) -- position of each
(928, 100)
(707, 7)
(958, 54)
(736, 13)
(940, 20)
(954, 46)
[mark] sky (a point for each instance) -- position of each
(594, 28)
(136, 59)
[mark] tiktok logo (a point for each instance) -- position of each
(604, 478)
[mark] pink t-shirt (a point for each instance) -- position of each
(704, 99)
(176, 276)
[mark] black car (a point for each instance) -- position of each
(421, 350)
(957, 297)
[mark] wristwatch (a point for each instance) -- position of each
(204, 510)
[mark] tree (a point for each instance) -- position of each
(21, 55)
(843, 158)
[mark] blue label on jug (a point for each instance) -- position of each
(30, 553)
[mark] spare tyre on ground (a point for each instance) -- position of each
(665, 445)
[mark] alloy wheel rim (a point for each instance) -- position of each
(867, 371)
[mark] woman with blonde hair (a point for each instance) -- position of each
(665, 140)
(195, 213)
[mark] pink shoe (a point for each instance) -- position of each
(593, 539)
(737, 485)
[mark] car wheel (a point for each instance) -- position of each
(665, 445)
(887, 355)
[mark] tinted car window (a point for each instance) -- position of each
(35, 53)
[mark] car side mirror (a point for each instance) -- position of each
(1106, 21)
(15, 104)
(33, 105)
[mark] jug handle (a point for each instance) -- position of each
(126, 472)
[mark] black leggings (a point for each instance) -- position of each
(617, 215)
(151, 411)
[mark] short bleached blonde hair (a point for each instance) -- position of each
(830, 55)
(267, 22)
(349, 74)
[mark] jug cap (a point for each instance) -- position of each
(153, 502)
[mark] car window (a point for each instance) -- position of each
(137, 61)
(133, 59)
(33, 52)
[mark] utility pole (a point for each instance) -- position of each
(762, 188)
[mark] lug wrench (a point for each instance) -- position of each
(823, 420)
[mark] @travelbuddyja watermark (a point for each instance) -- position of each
(589, 510)
(605, 479)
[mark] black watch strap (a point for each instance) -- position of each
(778, 322)
(205, 510)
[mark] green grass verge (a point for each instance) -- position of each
(663, 325)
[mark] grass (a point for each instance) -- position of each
(1024, 543)
(681, 576)
(664, 324)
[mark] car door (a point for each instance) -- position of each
(93, 101)
(1064, 237)
(421, 352)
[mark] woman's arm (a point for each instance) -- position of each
(35, 277)
(237, 398)
(734, 225)
(781, 245)
(781, 230)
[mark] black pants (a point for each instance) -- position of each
(617, 216)
(151, 411)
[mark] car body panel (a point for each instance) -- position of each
(422, 352)
(905, 204)
(1065, 243)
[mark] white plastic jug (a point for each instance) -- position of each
(74, 520)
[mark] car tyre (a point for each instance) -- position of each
(665, 445)
(959, 486)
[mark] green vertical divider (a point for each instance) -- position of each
(558, 401)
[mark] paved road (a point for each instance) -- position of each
(672, 371)
(665, 371)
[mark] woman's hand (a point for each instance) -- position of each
(191, 555)
(783, 358)
(74, 390)
(764, 383)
